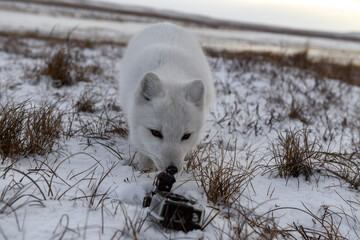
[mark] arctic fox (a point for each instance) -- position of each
(166, 89)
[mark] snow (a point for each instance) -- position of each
(85, 190)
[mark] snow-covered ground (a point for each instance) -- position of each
(88, 186)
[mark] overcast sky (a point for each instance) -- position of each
(326, 15)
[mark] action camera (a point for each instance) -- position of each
(172, 210)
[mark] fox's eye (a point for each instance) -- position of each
(186, 136)
(156, 133)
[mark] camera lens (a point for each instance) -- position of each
(195, 218)
(171, 170)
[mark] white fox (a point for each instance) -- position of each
(166, 89)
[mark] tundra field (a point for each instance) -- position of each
(280, 157)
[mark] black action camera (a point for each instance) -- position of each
(172, 210)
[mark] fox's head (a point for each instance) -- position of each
(167, 119)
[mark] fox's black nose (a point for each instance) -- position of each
(171, 170)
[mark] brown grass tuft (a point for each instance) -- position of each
(28, 130)
(294, 154)
(86, 102)
(12, 120)
(59, 68)
(219, 174)
(64, 69)
(297, 111)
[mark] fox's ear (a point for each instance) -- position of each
(194, 92)
(150, 86)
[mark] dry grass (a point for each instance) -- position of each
(65, 62)
(13, 197)
(298, 111)
(325, 224)
(295, 154)
(219, 173)
(59, 68)
(86, 102)
(103, 125)
(63, 68)
(133, 225)
(250, 225)
(344, 166)
(96, 199)
(11, 124)
(26, 130)
(324, 68)
(14, 45)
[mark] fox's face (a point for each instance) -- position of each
(167, 120)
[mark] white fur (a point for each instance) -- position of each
(165, 84)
